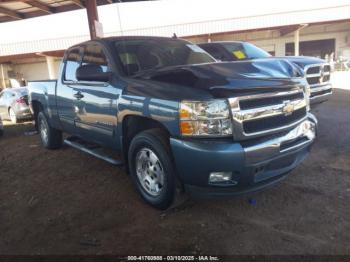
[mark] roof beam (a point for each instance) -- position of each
(11, 13)
(290, 29)
(92, 15)
(78, 2)
(40, 5)
(65, 8)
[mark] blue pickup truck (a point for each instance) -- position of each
(177, 118)
(317, 71)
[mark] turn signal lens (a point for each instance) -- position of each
(186, 128)
(184, 113)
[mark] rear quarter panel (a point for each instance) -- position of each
(43, 92)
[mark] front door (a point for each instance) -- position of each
(96, 102)
(65, 99)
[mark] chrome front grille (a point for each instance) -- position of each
(263, 114)
(318, 74)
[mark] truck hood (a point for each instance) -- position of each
(223, 79)
(257, 69)
(303, 61)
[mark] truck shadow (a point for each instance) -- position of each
(19, 129)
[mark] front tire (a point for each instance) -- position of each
(152, 169)
(50, 137)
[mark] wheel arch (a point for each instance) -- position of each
(36, 107)
(133, 125)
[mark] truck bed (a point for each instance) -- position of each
(44, 91)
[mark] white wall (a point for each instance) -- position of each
(338, 32)
(36, 70)
(270, 40)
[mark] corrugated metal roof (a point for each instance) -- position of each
(17, 10)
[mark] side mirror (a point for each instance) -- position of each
(92, 73)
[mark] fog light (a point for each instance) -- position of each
(220, 177)
(309, 129)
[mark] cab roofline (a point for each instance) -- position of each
(121, 38)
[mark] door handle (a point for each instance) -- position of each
(78, 95)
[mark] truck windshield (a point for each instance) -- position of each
(147, 54)
(245, 51)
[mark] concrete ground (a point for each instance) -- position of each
(66, 202)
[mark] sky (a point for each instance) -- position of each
(149, 14)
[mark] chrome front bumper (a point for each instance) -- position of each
(320, 93)
(253, 164)
(302, 135)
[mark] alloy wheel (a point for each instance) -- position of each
(150, 172)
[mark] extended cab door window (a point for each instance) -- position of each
(72, 63)
(94, 55)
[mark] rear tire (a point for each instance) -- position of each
(12, 116)
(152, 169)
(50, 137)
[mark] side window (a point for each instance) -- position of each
(94, 55)
(72, 64)
(215, 52)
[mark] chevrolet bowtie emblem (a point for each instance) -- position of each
(288, 108)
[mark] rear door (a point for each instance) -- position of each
(96, 102)
(64, 95)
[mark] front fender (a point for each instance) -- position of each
(162, 111)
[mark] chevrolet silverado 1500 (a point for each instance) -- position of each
(317, 70)
(176, 117)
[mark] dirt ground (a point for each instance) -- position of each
(66, 202)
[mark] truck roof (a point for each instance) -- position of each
(121, 38)
(219, 42)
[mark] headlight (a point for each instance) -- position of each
(210, 118)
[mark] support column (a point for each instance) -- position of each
(3, 82)
(296, 42)
(92, 14)
(51, 67)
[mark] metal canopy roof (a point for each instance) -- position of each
(13, 10)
